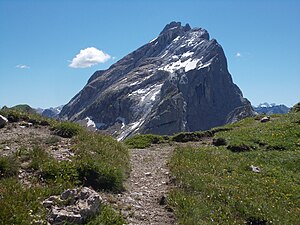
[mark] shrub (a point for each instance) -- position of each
(144, 140)
(66, 129)
(219, 141)
(239, 147)
(52, 140)
(107, 216)
(101, 161)
(9, 166)
(191, 136)
(38, 156)
(21, 205)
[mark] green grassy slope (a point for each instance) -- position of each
(99, 162)
(217, 186)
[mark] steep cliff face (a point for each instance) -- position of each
(177, 82)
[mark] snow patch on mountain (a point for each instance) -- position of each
(90, 122)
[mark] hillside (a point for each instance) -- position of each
(44, 164)
(243, 173)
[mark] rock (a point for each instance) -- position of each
(148, 174)
(6, 148)
(265, 119)
(163, 200)
(3, 121)
(73, 206)
(177, 82)
(255, 169)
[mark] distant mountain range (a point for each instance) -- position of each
(266, 108)
(177, 82)
(52, 112)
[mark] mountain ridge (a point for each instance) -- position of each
(177, 82)
(269, 109)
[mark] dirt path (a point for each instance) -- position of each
(143, 201)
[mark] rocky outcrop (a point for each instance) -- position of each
(177, 82)
(73, 206)
(3, 121)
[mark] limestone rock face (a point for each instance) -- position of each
(177, 82)
(73, 206)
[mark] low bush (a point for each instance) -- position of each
(9, 166)
(191, 136)
(219, 141)
(66, 129)
(101, 161)
(19, 204)
(108, 216)
(144, 140)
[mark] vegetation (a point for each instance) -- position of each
(216, 184)
(23, 108)
(191, 136)
(99, 162)
(108, 216)
(8, 166)
(144, 140)
(66, 129)
(102, 162)
(23, 113)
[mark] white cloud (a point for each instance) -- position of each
(238, 54)
(20, 66)
(89, 57)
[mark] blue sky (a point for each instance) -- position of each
(39, 40)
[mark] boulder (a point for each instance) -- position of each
(255, 169)
(73, 206)
(265, 119)
(3, 121)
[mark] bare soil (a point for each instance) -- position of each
(145, 199)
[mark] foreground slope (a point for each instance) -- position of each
(40, 157)
(248, 174)
(177, 82)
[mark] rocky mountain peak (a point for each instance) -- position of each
(179, 81)
(175, 26)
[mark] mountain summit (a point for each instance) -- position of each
(177, 82)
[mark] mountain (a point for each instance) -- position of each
(177, 82)
(23, 108)
(52, 112)
(266, 108)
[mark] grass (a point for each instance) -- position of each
(144, 140)
(191, 136)
(108, 216)
(100, 162)
(8, 166)
(66, 129)
(216, 185)
(23, 113)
